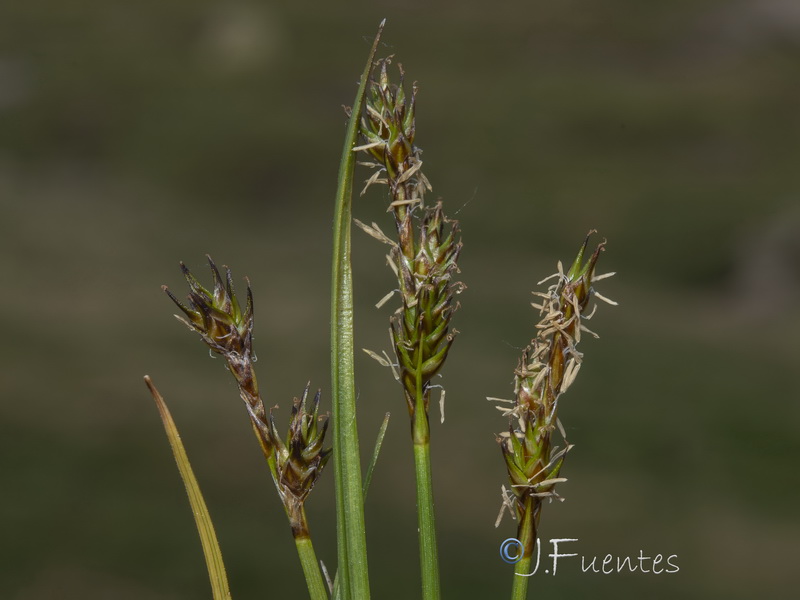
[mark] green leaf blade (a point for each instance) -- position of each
(351, 536)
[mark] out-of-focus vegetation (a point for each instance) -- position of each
(134, 135)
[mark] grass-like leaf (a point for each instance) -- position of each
(376, 451)
(208, 537)
(351, 536)
(337, 593)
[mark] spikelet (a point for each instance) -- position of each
(300, 458)
(425, 255)
(546, 370)
(217, 316)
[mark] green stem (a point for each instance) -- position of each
(351, 536)
(317, 590)
(429, 560)
(526, 534)
(428, 555)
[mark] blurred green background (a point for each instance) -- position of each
(135, 135)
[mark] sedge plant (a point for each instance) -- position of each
(423, 255)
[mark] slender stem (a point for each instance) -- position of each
(351, 536)
(317, 590)
(428, 554)
(526, 534)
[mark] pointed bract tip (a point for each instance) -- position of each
(578, 268)
(249, 307)
(152, 387)
(601, 247)
(317, 398)
(169, 293)
(214, 271)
